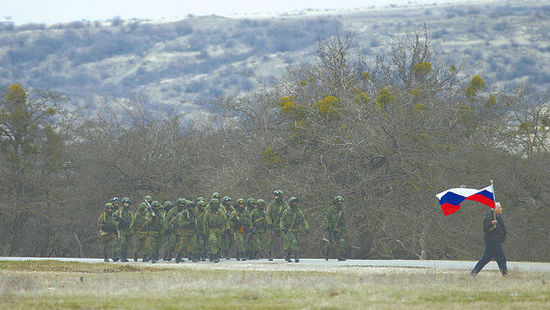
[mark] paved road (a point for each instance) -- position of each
(321, 264)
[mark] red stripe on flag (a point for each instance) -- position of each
(449, 208)
(483, 199)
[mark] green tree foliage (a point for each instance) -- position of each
(31, 153)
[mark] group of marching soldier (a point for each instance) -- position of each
(244, 229)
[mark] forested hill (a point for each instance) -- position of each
(200, 58)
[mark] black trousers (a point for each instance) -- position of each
(493, 250)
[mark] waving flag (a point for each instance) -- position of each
(450, 199)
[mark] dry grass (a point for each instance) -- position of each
(57, 285)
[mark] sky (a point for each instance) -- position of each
(63, 11)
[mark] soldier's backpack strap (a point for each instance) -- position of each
(293, 220)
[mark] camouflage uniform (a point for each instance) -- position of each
(227, 237)
(250, 207)
(335, 226)
(140, 232)
(259, 227)
(241, 224)
(168, 247)
(291, 222)
(116, 242)
(107, 231)
(202, 239)
(215, 222)
(184, 231)
(155, 229)
(124, 219)
(170, 239)
(273, 215)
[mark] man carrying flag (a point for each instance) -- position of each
(494, 234)
(493, 224)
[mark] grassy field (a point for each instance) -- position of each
(61, 285)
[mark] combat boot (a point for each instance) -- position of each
(145, 259)
(135, 257)
(287, 256)
(105, 259)
(123, 258)
(270, 256)
(216, 259)
(326, 255)
(115, 259)
(341, 258)
(296, 258)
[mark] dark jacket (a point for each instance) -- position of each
(498, 233)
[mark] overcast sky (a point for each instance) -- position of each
(62, 11)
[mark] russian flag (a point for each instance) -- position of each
(450, 199)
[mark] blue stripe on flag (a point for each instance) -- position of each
(487, 194)
(451, 198)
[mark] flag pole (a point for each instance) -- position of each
(495, 205)
(494, 196)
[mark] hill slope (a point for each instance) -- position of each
(199, 58)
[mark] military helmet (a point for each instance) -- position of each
(226, 199)
(108, 205)
(114, 200)
(278, 192)
(142, 206)
(199, 199)
(201, 203)
(126, 200)
(240, 201)
(260, 203)
(293, 199)
(214, 202)
(148, 198)
(155, 204)
(180, 202)
(250, 201)
(338, 199)
(217, 195)
(168, 203)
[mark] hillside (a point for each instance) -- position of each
(177, 64)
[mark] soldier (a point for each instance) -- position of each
(227, 237)
(116, 242)
(335, 226)
(140, 232)
(168, 205)
(250, 207)
(259, 227)
(155, 229)
(202, 239)
(183, 227)
(291, 222)
(273, 215)
(124, 218)
(170, 239)
(107, 231)
(215, 222)
(240, 222)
